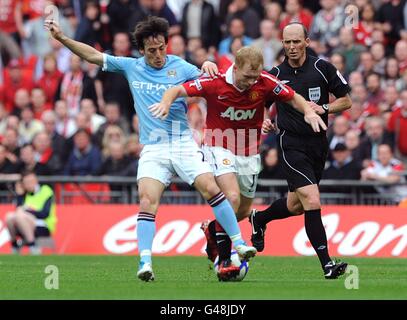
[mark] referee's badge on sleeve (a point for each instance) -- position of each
(314, 94)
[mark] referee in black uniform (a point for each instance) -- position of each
(303, 152)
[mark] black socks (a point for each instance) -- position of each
(277, 210)
(316, 234)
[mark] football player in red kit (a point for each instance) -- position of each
(235, 113)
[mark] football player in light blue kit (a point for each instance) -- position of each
(169, 147)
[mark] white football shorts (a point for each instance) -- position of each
(162, 161)
(246, 168)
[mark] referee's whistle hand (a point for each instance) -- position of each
(315, 121)
(316, 107)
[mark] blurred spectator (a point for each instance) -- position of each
(65, 125)
(178, 48)
(339, 128)
(391, 19)
(133, 146)
(375, 93)
(200, 21)
(13, 122)
(74, 86)
(327, 23)
(11, 143)
(339, 61)
(226, 60)
(386, 169)
(357, 115)
(9, 49)
(90, 29)
(85, 158)
(45, 154)
(397, 126)
(236, 30)
(352, 143)
(349, 49)
(273, 12)
(366, 64)
(36, 39)
(400, 53)
(391, 73)
(296, 13)
(160, 8)
(271, 169)
(200, 56)
(58, 142)
(35, 215)
(251, 20)
(21, 101)
(28, 126)
(390, 99)
(355, 78)
(342, 167)
(269, 43)
(96, 120)
(366, 25)
(11, 19)
(62, 54)
(119, 12)
(28, 162)
(112, 86)
(113, 133)
(117, 163)
(112, 115)
(375, 136)
(379, 57)
(6, 166)
(141, 12)
(50, 78)
(359, 93)
(39, 102)
(15, 79)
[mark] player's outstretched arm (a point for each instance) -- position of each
(83, 50)
(310, 116)
(160, 110)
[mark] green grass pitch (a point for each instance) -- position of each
(184, 277)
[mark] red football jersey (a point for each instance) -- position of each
(234, 117)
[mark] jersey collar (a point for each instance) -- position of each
(303, 67)
(229, 78)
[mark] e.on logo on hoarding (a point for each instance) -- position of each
(177, 236)
(368, 236)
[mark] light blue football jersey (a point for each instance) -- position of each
(147, 85)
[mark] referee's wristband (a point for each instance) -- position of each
(325, 106)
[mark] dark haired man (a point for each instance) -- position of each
(169, 147)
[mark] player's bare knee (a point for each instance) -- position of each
(312, 202)
(211, 190)
(148, 205)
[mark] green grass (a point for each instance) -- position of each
(113, 277)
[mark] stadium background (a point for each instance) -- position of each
(46, 95)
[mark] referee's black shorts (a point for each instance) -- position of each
(303, 158)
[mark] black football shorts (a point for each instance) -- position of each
(303, 158)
